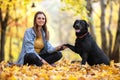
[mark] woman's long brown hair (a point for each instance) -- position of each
(44, 26)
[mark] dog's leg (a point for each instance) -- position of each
(73, 48)
(84, 57)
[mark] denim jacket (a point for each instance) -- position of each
(28, 45)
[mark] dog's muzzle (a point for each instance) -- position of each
(77, 28)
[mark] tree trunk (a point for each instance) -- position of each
(3, 31)
(0, 35)
(2, 42)
(10, 50)
(89, 8)
(116, 50)
(103, 34)
(109, 32)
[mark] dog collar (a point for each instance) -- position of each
(83, 35)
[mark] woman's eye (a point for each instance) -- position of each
(41, 18)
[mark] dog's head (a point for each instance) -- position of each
(81, 27)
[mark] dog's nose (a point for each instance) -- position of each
(77, 26)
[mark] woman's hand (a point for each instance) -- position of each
(61, 47)
(45, 63)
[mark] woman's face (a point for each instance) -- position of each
(40, 20)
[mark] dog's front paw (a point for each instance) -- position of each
(67, 45)
(61, 48)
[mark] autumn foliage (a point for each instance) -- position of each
(63, 70)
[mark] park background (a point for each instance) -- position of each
(16, 16)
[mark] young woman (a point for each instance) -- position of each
(36, 48)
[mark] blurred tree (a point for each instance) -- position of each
(4, 23)
(90, 18)
(113, 54)
(103, 33)
(116, 51)
(10, 48)
(110, 40)
(78, 7)
(9, 10)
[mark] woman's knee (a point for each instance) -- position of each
(32, 59)
(29, 56)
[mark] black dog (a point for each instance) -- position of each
(86, 47)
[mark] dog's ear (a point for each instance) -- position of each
(87, 24)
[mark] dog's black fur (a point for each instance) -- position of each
(86, 47)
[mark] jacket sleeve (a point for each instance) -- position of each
(50, 48)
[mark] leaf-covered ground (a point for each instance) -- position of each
(63, 70)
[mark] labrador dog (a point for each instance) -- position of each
(86, 46)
